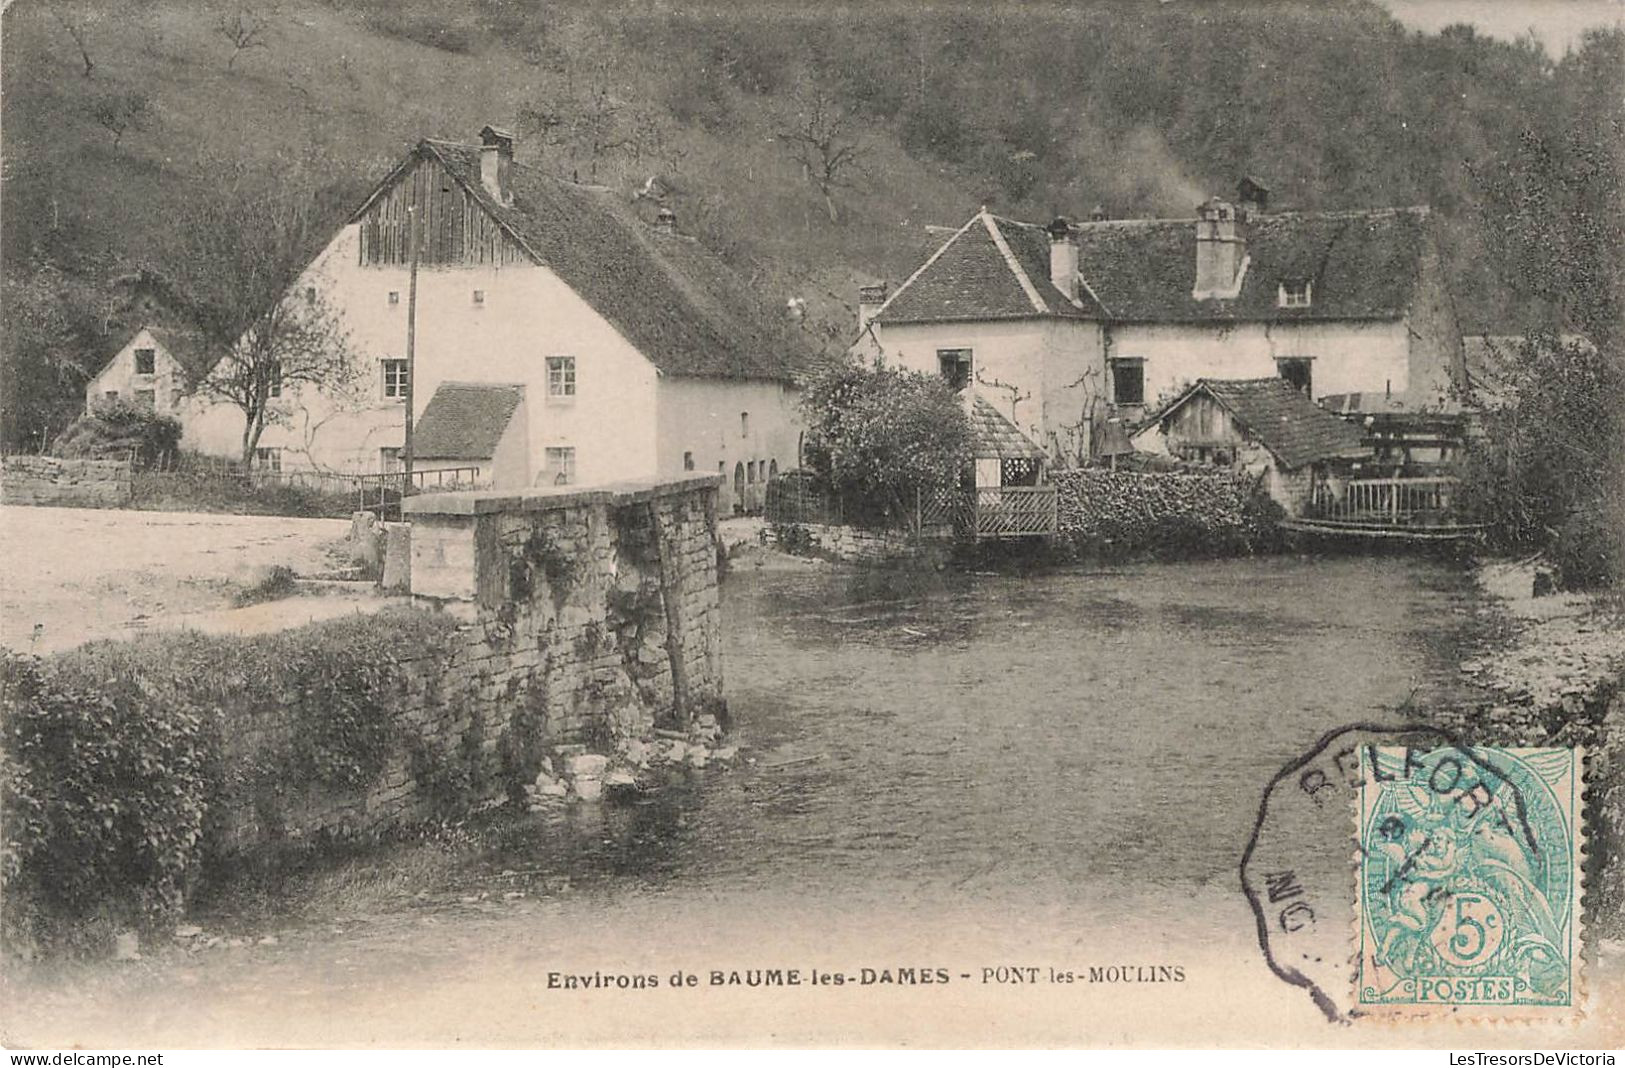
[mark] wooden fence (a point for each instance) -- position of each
(1392, 502)
(987, 512)
(1016, 511)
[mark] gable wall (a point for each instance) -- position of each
(528, 314)
(1044, 375)
(167, 381)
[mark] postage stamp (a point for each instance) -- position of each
(1468, 889)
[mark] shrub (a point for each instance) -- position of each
(119, 426)
(118, 763)
(1589, 549)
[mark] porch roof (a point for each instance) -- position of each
(992, 435)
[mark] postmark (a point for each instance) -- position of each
(1468, 882)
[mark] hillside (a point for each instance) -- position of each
(1142, 108)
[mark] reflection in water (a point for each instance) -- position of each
(1099, 737)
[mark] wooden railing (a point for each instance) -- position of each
(1386, 501)
(1016, 511)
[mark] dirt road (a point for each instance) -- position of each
(68, 575)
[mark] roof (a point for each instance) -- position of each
(676, 303)
(188, 347)
(464, 421)
(991, 268)
(1292, 427)
(991, 434)
(1362, 265)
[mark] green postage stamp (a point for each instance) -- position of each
(1469, 882)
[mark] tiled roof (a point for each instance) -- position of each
(1292, 427)
(464, 421)
(674, 301)
(189, 347)
(994, 435)
(1361, 265)
(991, 268)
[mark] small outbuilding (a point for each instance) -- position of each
(478, 431)
(154, 369)
(1264, 426)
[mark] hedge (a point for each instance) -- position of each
(1164, 514)
(112, 757)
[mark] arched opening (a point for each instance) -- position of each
(772, 470)
(739, 488)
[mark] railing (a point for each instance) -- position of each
(1392, 502)
(1016, 511)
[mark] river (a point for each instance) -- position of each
(949, 770)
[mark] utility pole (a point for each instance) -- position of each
(411, 346)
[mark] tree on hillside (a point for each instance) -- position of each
(119, 113)
(76, 22)
(245, 28)
(240, 262)
(880, 438)
(817, 134)
(54, 336)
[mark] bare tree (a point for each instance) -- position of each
(246, 28)
(817, 136)
(242, 263)
(76, 22)
(119, 113)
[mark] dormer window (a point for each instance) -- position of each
(1296, 293)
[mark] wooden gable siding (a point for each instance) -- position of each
(1202, 421)
(455, 230)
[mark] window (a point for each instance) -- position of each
(146, 398)
(750, 473)
(688, 461)
(310, 294)
(772, 470)
(111, 394)
(274, 389)
(394, 296)
(1296, 293)
(268, 459)
(955, 365)
(1296, 370)
(389, 459)
(479, 296)
(146, 361)
(561, 466)
(1128, 381)
(394, 379)
(561, 377)
(744, 424)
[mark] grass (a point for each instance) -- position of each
(170, 491)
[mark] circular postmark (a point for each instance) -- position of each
(1442, 850)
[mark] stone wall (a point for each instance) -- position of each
(51, 480)
(842, 542)
(582, 619)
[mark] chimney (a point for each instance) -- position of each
(870, 298)
(496, 164)
(1221, 251)
(1063, 257)
(665, 221)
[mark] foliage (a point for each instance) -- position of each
(47, 352)
(205, 491)
(118, 426)
(879, 437)
(113, 754)
(817, 135)
(1553, 455)
(105, 796)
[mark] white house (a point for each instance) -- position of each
(632, 350)
(1068, 325)
(151, 369)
